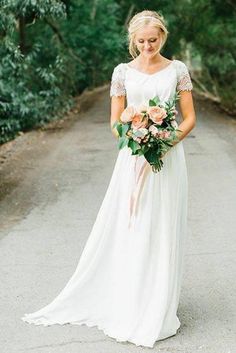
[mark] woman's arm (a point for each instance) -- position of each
(188, 114)
(117, 107)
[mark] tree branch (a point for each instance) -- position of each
(62, 40)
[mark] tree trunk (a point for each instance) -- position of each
(22, 34)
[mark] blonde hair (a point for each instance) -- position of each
(141, 19)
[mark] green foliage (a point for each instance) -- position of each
(135, 146)
(51, 50)
(31, 91)
(213, 36)
(94, 36)
(154, 139)
(34, 8)
(30, 95)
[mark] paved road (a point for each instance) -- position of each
(52, 187)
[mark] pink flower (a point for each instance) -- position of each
(140, 135)
(139, 121)
(164, 134)
(174, 111)
(154, 130)
(146, 138)
(137, 139)
(157, 114)
(128, 114)
(174, 124)
(159, 133)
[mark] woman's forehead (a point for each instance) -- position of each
(147, 31)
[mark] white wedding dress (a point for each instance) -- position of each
(128, 278)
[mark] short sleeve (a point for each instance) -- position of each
(184, 82)
(118, 81)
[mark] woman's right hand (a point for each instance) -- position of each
(115, 132)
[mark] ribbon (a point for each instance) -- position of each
(140, 173)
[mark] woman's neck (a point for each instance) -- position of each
(145, 61)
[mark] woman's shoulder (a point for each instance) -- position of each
(118, 81)
(180, 65)
(121, 64)
(183, 76)
(120, 67)
(119, 70)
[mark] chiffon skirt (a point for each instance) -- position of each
(128, 278)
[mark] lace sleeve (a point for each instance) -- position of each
(184, 82)
(118, 81)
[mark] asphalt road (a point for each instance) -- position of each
(52, 185)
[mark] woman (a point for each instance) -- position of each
(127, 282)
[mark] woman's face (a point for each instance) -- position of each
(147, 40)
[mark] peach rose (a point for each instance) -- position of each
(157, 114)
(142, 108)
(139, 121)
(128, 114)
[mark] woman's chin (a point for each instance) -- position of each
(148, 53)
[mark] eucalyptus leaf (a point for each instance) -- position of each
(125, 128)
(119, 129)
(123, 141)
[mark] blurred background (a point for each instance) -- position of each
(51, 51)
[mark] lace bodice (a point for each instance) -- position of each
(139, 86)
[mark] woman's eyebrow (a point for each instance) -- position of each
(149, 38)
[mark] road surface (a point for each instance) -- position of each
(52, 185)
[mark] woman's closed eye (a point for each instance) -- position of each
(151, 40)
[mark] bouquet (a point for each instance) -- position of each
(149, 130)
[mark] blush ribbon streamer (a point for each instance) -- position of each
(141, 168)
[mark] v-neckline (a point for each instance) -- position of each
(145, 73)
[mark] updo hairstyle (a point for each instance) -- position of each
(138, 21)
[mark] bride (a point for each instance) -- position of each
(128, 279)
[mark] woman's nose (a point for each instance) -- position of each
(147, 45)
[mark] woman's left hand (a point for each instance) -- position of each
(163, 154)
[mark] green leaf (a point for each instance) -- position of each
(151, 156)
(145, 148)
(119, 129)
(115, 124)
(123, 141)
(134, 145)
(125, 128)
(152, 103)
(140, 152)
(156, 99)
(168, 144)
